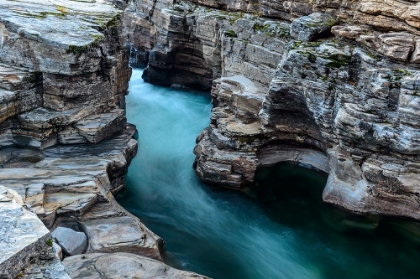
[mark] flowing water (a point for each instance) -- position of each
(283, 231)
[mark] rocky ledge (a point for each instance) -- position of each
(65, 144)
(331, 85)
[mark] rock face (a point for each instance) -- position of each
(331, 85)
(65, 144)
(122, 265)
(327, 84)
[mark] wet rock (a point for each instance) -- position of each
(121, 265)
(72, 242)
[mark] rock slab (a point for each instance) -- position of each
(122, 265)
(72, 242)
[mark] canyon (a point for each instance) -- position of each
(330, 85)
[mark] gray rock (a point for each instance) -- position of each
(72, 242)
(23, 237)
(122, 265)
(95, 128)
(309, 28)
(58, 251)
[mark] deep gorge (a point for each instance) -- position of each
(281, 229)
(326, 85)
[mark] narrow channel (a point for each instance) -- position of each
(282, 229)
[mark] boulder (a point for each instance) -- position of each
(72, 242)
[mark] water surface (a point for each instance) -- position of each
(283, 231)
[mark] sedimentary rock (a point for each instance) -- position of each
(72, 242)
(65, 145)
(23, 239)
(121, 265)
(344, 102)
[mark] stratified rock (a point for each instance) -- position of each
(77, 181)
(72, 242)
(311, 27)
(95, 128)
(20, 91)
(122, 265)
(110, 229)
(397, 46)
(23, 239)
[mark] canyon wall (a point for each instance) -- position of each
(65, 144)
(332, 85)
(325, 84)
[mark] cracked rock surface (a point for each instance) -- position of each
(327, 84)
(122, 265)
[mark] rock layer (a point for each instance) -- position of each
(122, 265)
(65, 144)
(330, 85)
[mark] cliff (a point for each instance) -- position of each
(65, 144)
(327, 84)
(331, 85)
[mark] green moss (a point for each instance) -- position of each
(371, 55)
(259, 27)
(49, 242)
(295, 45)
(45, 14)
(332, 22)
(311, 57)
(79, 50)
(107, 24)
(338, 60)
(231, 34)
(403, 72)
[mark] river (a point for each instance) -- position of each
(283, 230)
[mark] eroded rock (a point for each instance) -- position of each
(121, 265)
(311, 27)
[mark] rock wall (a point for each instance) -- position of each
(65, 144)
(327, 84)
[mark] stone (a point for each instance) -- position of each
(311, 27)
(72, 242)
(397, 45)
(47, 266)
(122, 265)
(58, 251)
(95, 128)
(415, 58)
(22, 235)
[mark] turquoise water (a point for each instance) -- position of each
(283, 231)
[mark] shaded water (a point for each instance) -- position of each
(286, 233)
